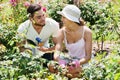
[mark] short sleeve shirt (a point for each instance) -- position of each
(50, 29)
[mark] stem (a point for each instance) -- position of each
(102, 42)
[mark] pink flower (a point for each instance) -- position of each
(74, 64)
(62, 63)
(26, 4)
(44, 9)
(13, 2)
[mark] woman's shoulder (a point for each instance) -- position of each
(87, 29)
(87, 32)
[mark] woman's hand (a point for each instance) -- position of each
(74, 69)
(74, 72)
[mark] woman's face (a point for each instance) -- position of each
(65, 21)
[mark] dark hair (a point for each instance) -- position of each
(33, 8)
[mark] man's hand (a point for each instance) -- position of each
(44, 49)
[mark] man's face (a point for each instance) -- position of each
(39, 18)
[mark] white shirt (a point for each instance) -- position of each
(50, 29)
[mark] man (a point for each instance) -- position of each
(38, 26)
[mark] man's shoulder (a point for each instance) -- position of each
(24, 25)
(51, 21)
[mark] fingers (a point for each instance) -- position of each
(52, 69)
(43, 49)
(75, 70)
(73, 75)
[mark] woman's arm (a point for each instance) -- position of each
(88, 46)
(59, 42)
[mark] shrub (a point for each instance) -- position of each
(107, 68)
(102, 19)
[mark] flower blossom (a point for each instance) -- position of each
(62, 63)
(44, 9)
(74, 64)
(13, 2)
(26, 4)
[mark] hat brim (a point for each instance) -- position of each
(68, 16)
(60, 12)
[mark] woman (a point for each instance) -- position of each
(76, 36)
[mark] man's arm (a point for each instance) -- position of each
(44, 49)
(21, 35)
(55, 28)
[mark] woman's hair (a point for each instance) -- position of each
(82, 22)
(32, 9)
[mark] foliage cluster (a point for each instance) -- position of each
(102, 19)
(24, 66)
(54, 6)
(107, 68)
(11, 17)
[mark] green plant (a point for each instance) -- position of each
(9, 23)
(103, 68)
(24, 64)
(53, 6)
(101, 18)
